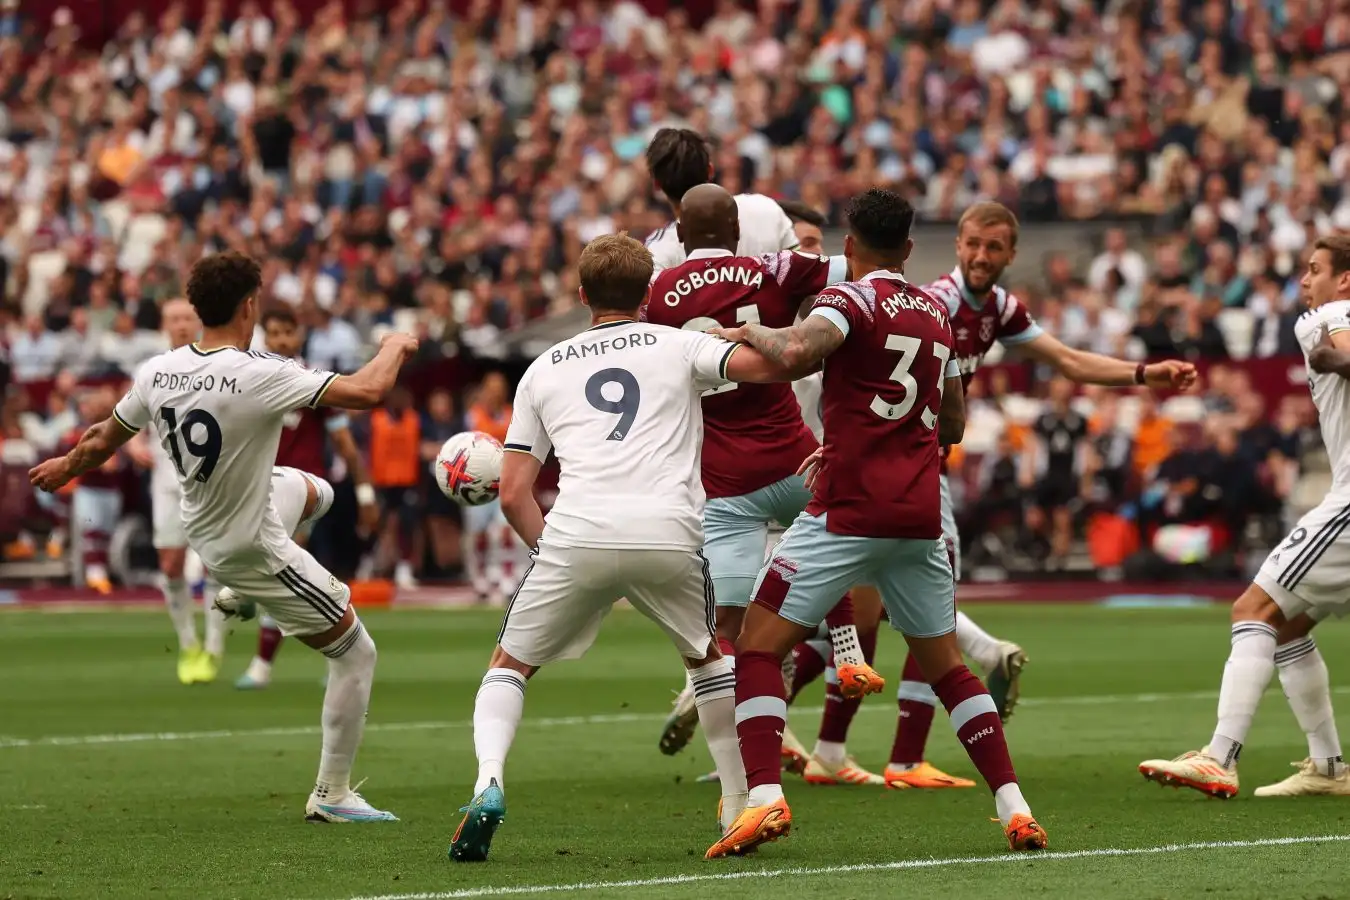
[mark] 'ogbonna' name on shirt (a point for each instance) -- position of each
(600, 348)
(742, 275)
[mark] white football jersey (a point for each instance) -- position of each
(1330, 392)
(619, 405)
(765, 229)
(218, 416)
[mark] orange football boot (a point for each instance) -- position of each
(1024, 834)
(756, 825)
(924, 775)
(859, 681)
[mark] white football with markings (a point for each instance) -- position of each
(469, 468)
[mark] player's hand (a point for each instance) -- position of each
(405, 343)
(1171, 373)
(1321, 355)
(810, 468)
(51, 475)
(367, 519)
(737, 335)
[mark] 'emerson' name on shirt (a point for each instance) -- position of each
(600, 348)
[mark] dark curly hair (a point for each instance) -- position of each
(219, 284)
(880, 220)
(678, 159)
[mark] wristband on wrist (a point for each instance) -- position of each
(1139, 374)
(365, 495)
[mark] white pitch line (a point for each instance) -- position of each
(862, 867)
(88, 740)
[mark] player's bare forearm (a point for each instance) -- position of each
(346, 448)
(97, 445)
(1327, 360)
(798, 350)
(372, 382)
(1082, 367)
(519, 471)
(952, 413)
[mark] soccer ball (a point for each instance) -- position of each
(469, 468)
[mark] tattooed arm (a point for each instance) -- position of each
(781, 354)
(96, 447)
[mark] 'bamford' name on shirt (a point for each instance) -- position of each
(600, 348)
(694, 280)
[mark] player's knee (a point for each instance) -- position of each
(729, 621)
(171, 563)
(318, 498)
(1255, 605)
(1297, 628)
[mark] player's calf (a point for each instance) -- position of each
(976, 722)
(351, 672)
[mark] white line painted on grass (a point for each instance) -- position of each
(862, 867)
(88, 740)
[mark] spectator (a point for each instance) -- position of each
(395, 471)
(1129, 265)
(1053, 468)
(440, 422)
(35, 352)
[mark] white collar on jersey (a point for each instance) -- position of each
(883, 273)
(709, 253)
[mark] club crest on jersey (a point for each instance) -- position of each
(986, 329)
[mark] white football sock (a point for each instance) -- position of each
(351, 671)
(496, 713)
(215, 620)
(831, 753)
(977, 643)
(1303, 675)
(1008, 800)
(178, 601)
(847, 650)
(1250, 664)
(715, 696)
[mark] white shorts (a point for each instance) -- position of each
(566, 593)
(304, 598)
(1310, 571)
(166, 514)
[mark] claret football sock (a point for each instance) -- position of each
(809, 663)
(840, 710)
(976, 721)
(497, 711)
(1303, 675)
(1251, 663)
(761, 716)
(917, 702)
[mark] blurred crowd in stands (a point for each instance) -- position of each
(397, 164)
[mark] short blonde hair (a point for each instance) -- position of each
(987, 213)
(615, 271)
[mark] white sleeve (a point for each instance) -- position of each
(132, 412)
(953, 369)
(285, 385)
(787, 235)
(833, 316)
(708, 356)
(838, 270)
(526, 432)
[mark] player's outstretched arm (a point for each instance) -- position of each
(519, 470)
(96, 446)
(1332, 354)
(1093, 368)
(952, 413)
(372, 382)
(783, 354)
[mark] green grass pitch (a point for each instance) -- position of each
(116, 782)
